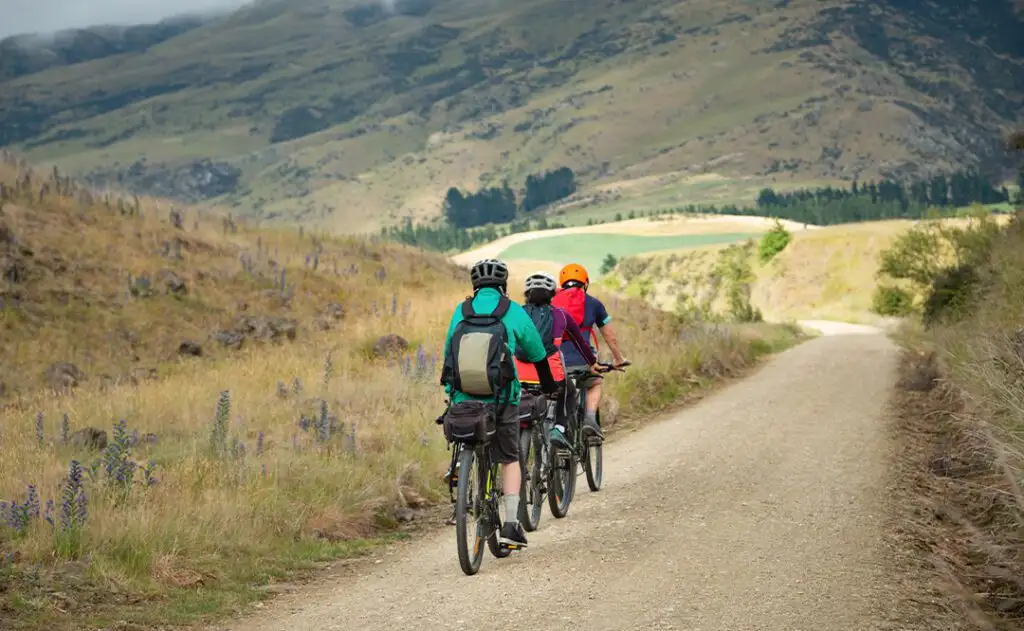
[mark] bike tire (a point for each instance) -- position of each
(529, 496)
(593, 466)
(467, 499)
(494, 520)
(562, 484)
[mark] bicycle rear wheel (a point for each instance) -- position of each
(469, 503)
(492, 508)
(562, 485)
(530, 496)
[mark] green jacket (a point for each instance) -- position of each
(521, 332)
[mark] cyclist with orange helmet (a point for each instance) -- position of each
(588, 312)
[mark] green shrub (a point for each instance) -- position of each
(951, 295)
(892, 301)
(609, 263)
(773, 242)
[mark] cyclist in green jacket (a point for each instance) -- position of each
(490, 288)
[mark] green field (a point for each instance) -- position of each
(590, 249)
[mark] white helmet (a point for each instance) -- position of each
(488, 273)
(541, 280)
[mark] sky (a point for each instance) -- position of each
(47, 16)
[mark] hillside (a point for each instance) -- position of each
(100, 291)
(346, 114)
(826, 273)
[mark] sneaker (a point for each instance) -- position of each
(558, 439)
(592, 429)
(513, 536)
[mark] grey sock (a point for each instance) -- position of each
(591, 417)
(512, 508)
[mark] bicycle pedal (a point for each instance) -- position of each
(512, 546)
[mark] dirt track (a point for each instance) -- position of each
(759, 508)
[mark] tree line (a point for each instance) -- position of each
(446, 238)
(885, 199)
(827, 205)
(500, 205)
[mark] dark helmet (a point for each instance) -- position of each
(489, 273)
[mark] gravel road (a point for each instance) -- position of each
(761, 507)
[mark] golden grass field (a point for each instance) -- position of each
(246, 493)
(824, 273)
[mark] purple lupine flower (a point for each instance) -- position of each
(352, 438)
(73, 502)
(49, 513)
(82, 507)
(17, 517)
(65, 429)
(39, 428)
(421, 361)
(394, 305)
(147, 473)
(323, 426)
(32, 502)
(259, 444)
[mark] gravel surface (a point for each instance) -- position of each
(761, 507)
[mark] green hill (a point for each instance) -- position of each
(352, 115)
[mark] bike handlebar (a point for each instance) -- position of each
(605, 367)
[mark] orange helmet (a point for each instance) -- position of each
(573, 272)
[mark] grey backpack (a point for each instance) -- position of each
(478, 361)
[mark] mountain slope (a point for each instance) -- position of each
(350, 115)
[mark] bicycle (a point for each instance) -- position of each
(534, 456)
(474, 486)
(586, 452)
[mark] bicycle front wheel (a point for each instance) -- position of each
(469, 511)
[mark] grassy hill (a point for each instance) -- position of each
(343, 113)
(826, 273)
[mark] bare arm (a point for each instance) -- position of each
(608, 333)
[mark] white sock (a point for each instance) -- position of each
(512, 508)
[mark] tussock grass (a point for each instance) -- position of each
(975, 479)
(241, 468)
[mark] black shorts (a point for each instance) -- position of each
(505, 446)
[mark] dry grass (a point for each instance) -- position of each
(825, 273)
(76, 252)
(976, 472)
(273, 497)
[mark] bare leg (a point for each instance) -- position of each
(510, 478)
(594, 397)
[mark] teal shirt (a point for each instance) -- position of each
(521, 333)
